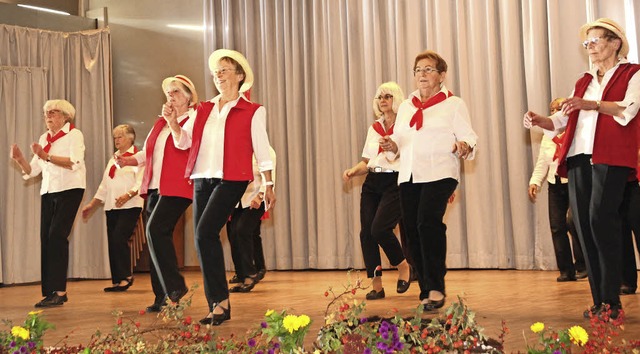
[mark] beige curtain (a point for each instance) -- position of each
(35, 66)
(317, 66)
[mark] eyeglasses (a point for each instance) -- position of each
(425, 70)
(222, 71)
(386, 97)
(593, 41)
(51, 111)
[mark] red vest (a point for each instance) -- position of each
(613, 144)
(237, 162)
(172, 181)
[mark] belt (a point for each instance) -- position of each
(378, 169)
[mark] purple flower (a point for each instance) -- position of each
(382, 346)
(363, 320)
(31, 345)
(276, 345)
(263, 324)
(557, 352)
(271, 351)
(259, 352)
(366, 351)
(12, 344)
(23, 349)
(251, 342)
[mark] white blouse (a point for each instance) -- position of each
(56, 178)
(427, 154)
(127, 178)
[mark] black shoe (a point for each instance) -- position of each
(235, 279)
(581, 274)
(375, 295)
(217, 319)
(244, 287)
(434, 305)
(565, 277)
(52, 300)
(627, 290)
(610, 312)
(261, 274)
(176, 295)
(402, 287)
(592, 311)
(156, 307)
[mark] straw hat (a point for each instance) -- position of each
(215, 57)
(612, 26)
(185, 81)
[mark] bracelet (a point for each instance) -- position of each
(268, 183)
(597, 106)
(130, 195)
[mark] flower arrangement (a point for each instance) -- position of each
(604, 331)
(26, 338)
(345, 330)
(557, 342)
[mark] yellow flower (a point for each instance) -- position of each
(578, 335)
(269, 312)
(304, 320)
(21, 332)
(537, 327)
(290, 322)
(35, 312)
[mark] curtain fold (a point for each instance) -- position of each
(39, 65)
(317, 66)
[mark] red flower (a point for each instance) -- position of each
(187, 335)
(137, 324)
(187, 320)
(108, 351)
(141, 312)
(353, 291)
(119, 322)
(196, 327)
(326, 293)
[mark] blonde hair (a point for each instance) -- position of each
(128, 130)
(64, 106)
(390, 88)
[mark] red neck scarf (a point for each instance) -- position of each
(112, 170)
(417, 117)
(52, 139)
(377, 126)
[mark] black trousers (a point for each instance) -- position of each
(379, 214)
(213, 202)
(57, 213)
(595, 194)
(241, 231)
(258, 253)
(630, 223)
(163, 215)
(120, 226)
(561, 222)
(423, 208)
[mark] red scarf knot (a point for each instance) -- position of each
(377, 126)
(418, 116)
(112, 170)
(52, 139)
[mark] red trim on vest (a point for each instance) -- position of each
(112, 170)
(377, 126)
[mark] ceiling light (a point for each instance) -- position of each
(44, 9)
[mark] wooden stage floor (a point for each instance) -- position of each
(518, 297)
